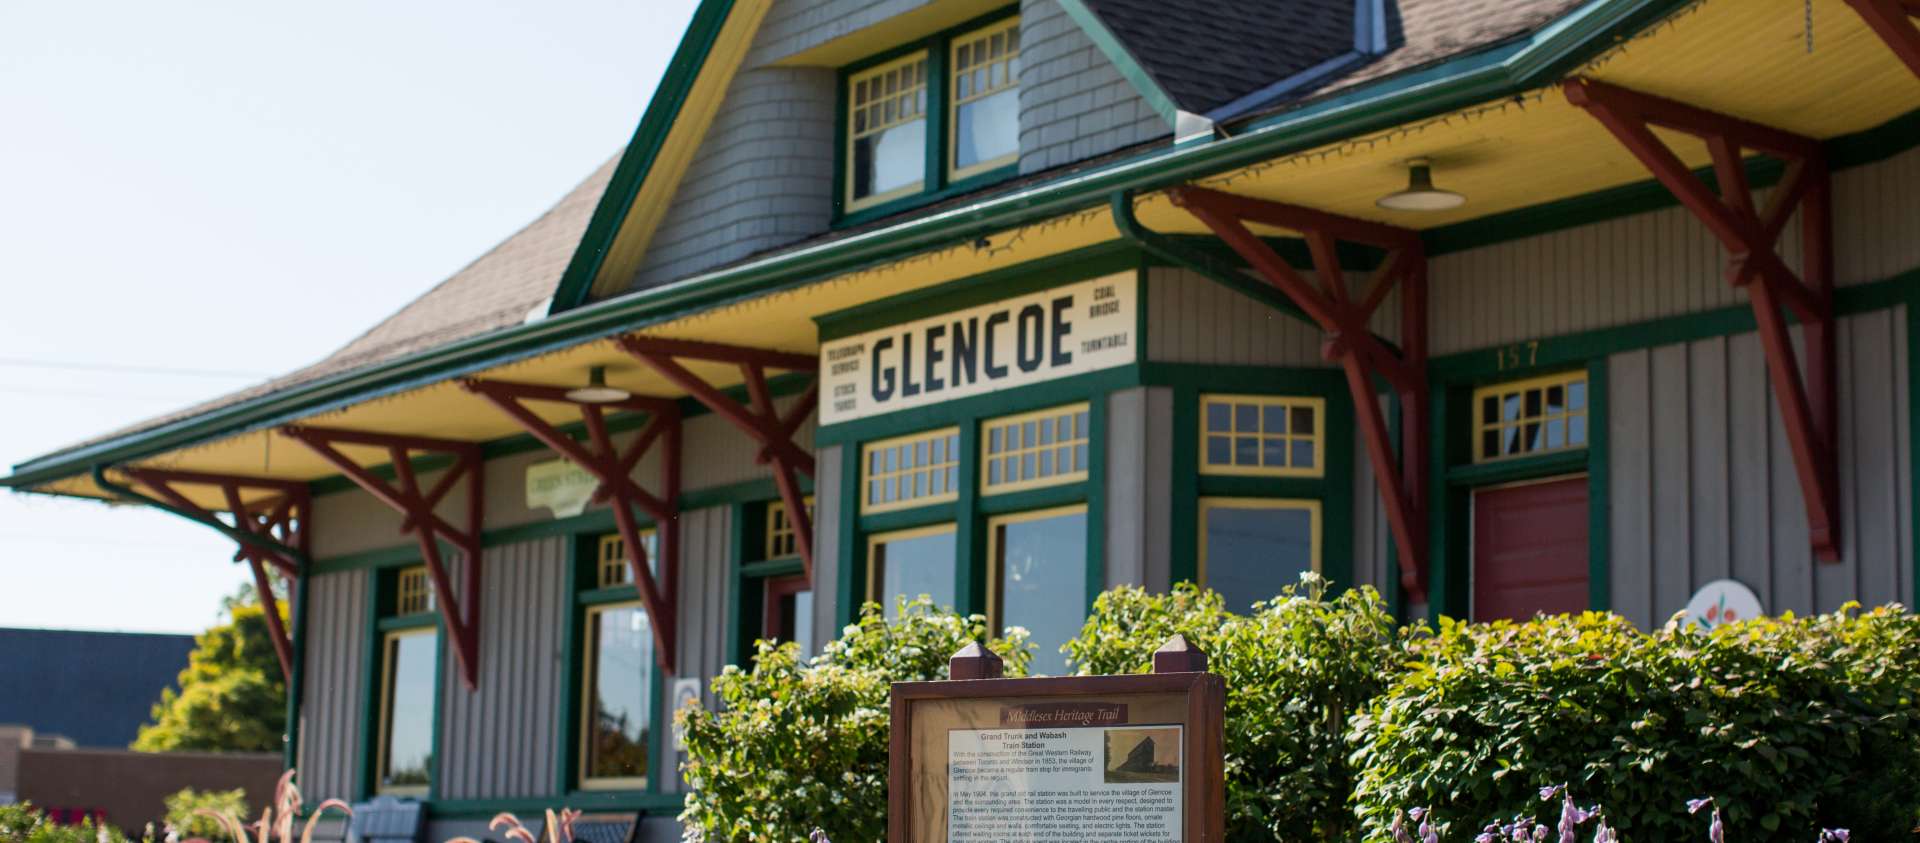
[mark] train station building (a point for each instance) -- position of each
(1499, 308)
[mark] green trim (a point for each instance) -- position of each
(1521, 468)
(606, 595)
(419, 620)
(1123, 60)
(297, 682)
(636, 163)
(771, 568)
(580, 553)
(736, 621)
(852, 582)
(986, 288)
(1095, 495)
(1913, 430)
(1599, 491)
(442, 654)
(935, 186)
(1181, 251)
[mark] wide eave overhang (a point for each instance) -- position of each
(1504, 71)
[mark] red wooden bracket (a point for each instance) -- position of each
(278, 526)
(1751, 235)
(759, 419)
(600, 457)
(1361, 353)
(406, 495)
(1892, 20)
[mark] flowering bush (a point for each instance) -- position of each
(803, 744)
(1295, 670)
(1789, 725)
(23, 823)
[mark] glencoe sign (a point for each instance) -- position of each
(1097, 759)
(1054, 333)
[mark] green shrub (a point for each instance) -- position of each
(23, 823)
(798, 745)
(1294, 672)
(1790, 724)
(182, 805)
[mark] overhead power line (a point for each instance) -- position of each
(82, 366)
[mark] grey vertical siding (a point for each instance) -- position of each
(332, 691)
(705, 609)
(1193, 319)
(1703, 485)
(1139, 471)
(1876, 215)
(827, 543)
(1372, 565)
(1074, 104)
(500, 741)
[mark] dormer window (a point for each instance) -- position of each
(935, 118)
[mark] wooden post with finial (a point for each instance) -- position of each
(975, 661)
(1179, 656)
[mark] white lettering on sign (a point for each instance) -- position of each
(1051, 334)
(1085, 783)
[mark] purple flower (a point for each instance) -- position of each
(1694, 805)
(1717, 832)
(1399, 828)
(1417, 814)
(1835, 835)
(1547, 793)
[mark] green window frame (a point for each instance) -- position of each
(970, 67)
(772, 591)
(400, 611)
(600, 583)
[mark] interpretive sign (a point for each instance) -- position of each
(1067, 330)
(1105, 759)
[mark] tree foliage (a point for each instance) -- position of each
(801, 744)
(232, 696)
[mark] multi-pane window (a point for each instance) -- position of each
(782, 540)
(1251, 548)
(909, 563)
(405, 762)
(985, 110)
(413, 591)
(610, 561)
(911, 471)
(1269, 435)
(1034, 449)
(1534, 416)
(1038, 565)
(616, 719)
(887, 131)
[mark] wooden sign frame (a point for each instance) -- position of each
(1203, 811)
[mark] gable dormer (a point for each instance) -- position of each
(803, 119)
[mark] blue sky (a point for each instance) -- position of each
(238, 188)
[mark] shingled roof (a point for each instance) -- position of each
(1205, 53)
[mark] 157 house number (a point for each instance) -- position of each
(1518, 355)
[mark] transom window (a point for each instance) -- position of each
(887, 131)
(782, 540)
(942, 112)
(1030, 450)
(1534, 416)
(1270, 435)
(911, 470)
(611, 566)
(986, 99)
(413, 591)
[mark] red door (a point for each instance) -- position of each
(1530, 549)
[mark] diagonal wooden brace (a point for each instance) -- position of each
(1806, 397)
(602, 458)
(1362, 355)
(405, 495)
(758, 418)
(275, 531)
(1893, 21)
